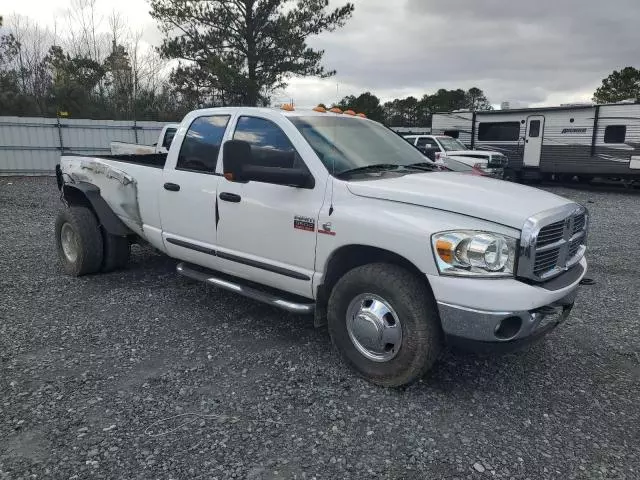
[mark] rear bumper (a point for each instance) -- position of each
(529, 312)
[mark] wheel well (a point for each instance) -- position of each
(351, 256)
(74, 196)
(88, 195)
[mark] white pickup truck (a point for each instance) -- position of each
(437, 147)
(336, 216)
(161, 146)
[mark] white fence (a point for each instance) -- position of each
(32, 145)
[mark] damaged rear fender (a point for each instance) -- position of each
(83, 193)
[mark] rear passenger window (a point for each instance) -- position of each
(270, 147)
(201, 144)
(615, 133)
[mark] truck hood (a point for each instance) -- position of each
(493, 200)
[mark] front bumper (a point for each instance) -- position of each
(529, 311)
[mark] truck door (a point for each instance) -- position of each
(188, 196)
(533, 141)
(267, 231)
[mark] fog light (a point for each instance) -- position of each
(508, 328)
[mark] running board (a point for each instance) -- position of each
(261, 296)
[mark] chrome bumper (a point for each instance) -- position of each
(468, 324)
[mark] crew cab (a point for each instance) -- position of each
(338, 217)
(437, 147)
(161, 146)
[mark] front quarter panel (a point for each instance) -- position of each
(401, 228)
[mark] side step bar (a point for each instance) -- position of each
(232, 286)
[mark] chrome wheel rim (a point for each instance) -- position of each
(69, 242)
(374, 327)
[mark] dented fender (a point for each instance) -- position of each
(109, 220)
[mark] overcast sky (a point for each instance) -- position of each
(542, 52)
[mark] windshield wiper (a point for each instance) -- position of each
(426, 166)
(369, 168)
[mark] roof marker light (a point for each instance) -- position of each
(320, 109)
(361, 115)
(287, 107)
(349, 112)
(335, 110)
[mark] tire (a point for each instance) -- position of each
(82, 251)
(411, 301)
(115, 253)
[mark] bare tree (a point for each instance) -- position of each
(34, 42)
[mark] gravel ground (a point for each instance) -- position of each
(98, 376)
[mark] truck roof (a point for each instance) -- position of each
(302, 112)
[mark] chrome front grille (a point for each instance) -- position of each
(552, 242)
(550, 234)
(579, 222)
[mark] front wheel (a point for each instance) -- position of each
(383, 321)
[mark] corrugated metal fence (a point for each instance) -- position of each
(32, 145)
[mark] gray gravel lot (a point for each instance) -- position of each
(93, 369)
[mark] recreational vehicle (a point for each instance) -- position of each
(585, 141)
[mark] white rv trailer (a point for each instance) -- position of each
(582, 140)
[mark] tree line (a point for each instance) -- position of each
(411, 111)
(214, 53)
(88, 73)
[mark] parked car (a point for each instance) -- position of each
(161, 146)
(440, 146)
(336, 216)
(451, 165)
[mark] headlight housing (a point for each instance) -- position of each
(470, 253)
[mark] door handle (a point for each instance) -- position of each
(230, 197)
(172, 187)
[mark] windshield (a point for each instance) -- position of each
(345, 143)
(450, 144)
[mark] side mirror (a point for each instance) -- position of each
(429, 151)
(235, 153)
(239, 167)
(292, 177)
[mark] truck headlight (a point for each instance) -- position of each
(470, 253)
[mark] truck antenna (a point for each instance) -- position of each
(333, 160)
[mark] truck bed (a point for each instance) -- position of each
(128, 183)
(156, 160)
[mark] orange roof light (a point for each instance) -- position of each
(361, 115)
(320, 109)
(335, 110)
(349, 112)
(287, 107)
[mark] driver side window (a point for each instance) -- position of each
(270, 147)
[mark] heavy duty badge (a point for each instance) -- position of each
(304, 223)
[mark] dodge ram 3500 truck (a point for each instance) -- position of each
(335, 215)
